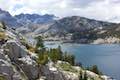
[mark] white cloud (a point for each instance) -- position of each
(107, 10)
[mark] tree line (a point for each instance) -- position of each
(53, 54)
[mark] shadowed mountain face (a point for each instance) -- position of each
(76, 24)
(82, 29)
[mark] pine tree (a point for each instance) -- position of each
(94, 69)
(85, 76)
(69, 58)
(60, 53)
(81, 74)
(39, 42)
(42, 58)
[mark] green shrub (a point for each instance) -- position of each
(42, 58)
(95, 69)
(2, 35)
(2, 77)
(85, 76)
(67, 67)
(69, 58)
(81, 75)
(55, 54)
(39, 42)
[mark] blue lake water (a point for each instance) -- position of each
(105, 56)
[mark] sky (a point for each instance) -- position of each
(105, 10)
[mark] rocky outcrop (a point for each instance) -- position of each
(53, 73)
(14, 50)
(21, 59)
(7, 70)
(110, 40)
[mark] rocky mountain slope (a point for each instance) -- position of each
(76, 29)
(68, 29)
(24, 19)
(76, 24)
(19, 63)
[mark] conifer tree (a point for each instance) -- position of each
(85, 76)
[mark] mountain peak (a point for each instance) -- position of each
(35, 18)
(23, 19)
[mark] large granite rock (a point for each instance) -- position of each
(52, 74)
(29, 66)
(7, 70)
(14, 50)
(21, 58)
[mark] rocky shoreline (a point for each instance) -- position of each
(109, 40)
